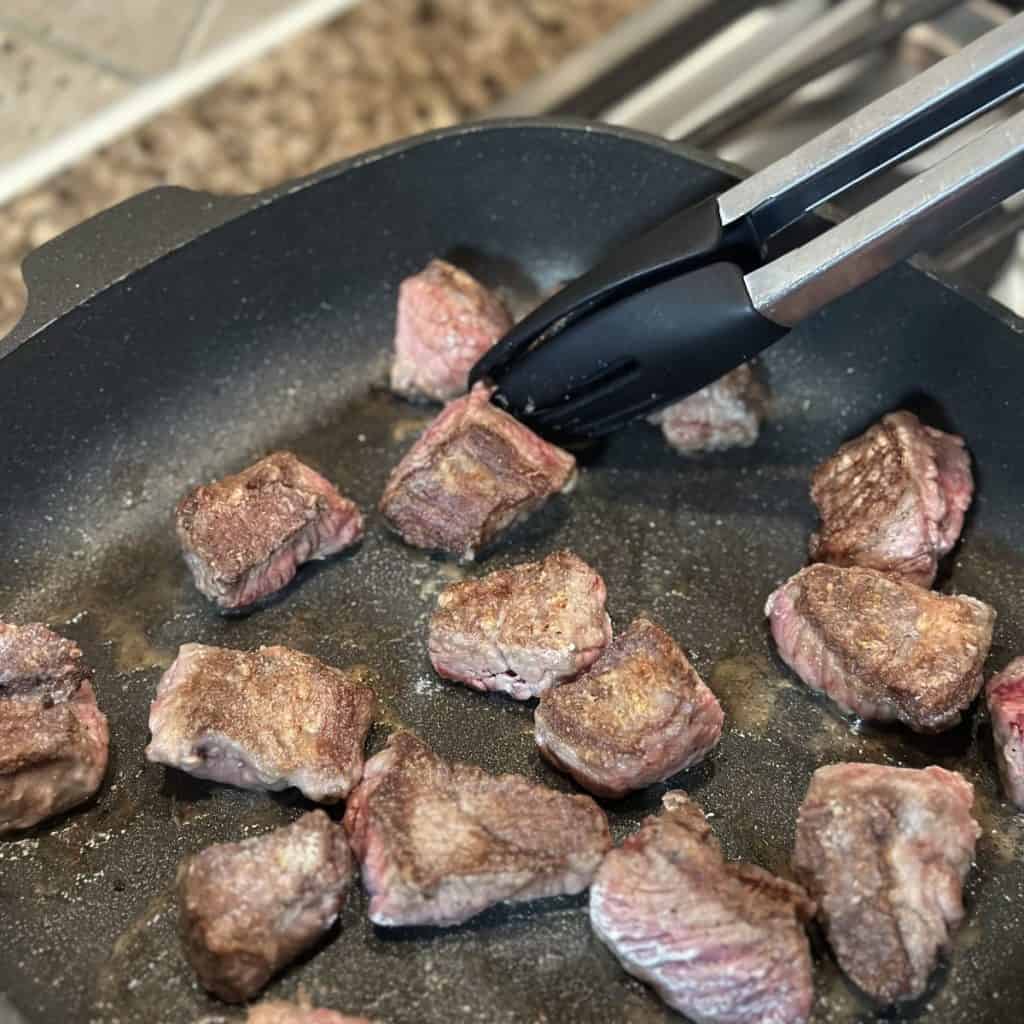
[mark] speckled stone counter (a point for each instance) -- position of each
(386, 69)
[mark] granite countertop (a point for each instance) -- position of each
(384, 69)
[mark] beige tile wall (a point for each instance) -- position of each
(222, 20)
(385, 69)
(63, 60)
(134, 38)
(43, 90)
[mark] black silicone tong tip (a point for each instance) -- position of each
(694, 327)
(665, 315)
(678, 244)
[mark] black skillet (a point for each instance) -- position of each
(177, 337)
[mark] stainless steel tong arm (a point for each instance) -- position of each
(668, 313)
(937, 101)
(920, 212)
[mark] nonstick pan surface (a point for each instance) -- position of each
(271, 329)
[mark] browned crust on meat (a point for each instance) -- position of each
(881, 499)
(287, 709)
(922, 650)
(522, 629)
(239, 522)
(32, 734)
(843, 854)
(612, 708)
(36, 662)
(761, 889)
(419, 779)
(640, 689)
(863, 482)
(493, 598)
(52, 756)
(474, 472)
(867, 938)
(240, 904)
(751, 891)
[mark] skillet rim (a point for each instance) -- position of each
(90, 257)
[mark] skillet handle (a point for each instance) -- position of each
(88, 258)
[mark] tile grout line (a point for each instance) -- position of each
(156, 94)
(206, 12)
(67, 50)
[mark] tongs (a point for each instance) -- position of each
(674, 310)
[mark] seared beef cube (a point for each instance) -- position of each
(473, 473)
(245, 536)
(725, 414)
(266, 719)
(893, 499)
(37, 663)
(719, 942)
(440, 842)
(446, 321)
(52, 756)
(1005, 694)
(881, 648)
(277, 1011)
(54, 740)
(884, 852)
(639, 714)
(247, 909)
(521, 630)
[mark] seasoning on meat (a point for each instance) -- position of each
(1005, 695)
(54, 740)
(638, 715)
(725, 414)
(36, 662)
(719, 942)
(446, 321)
(881, 648)
(266, 719)
(521, 630)
(277, 1011)
(884, 852)
(245, 536)
(440, 842)
(473, 473)
(247, 909)
(893, 499)
(52, 756)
